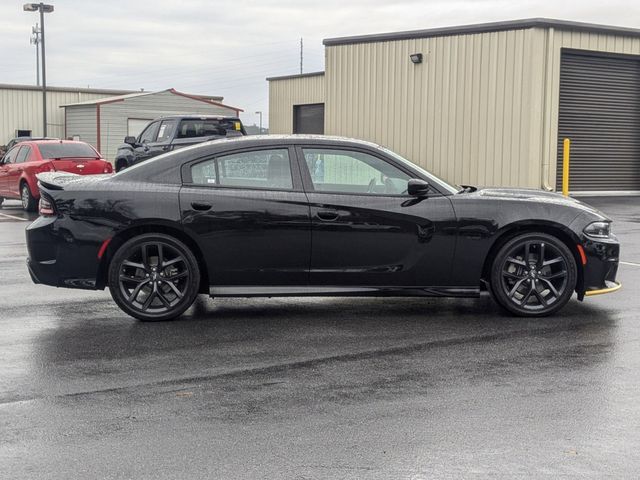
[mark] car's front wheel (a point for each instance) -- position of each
(533, 274)
(28, 202)
(154, 277)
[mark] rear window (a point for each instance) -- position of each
(205, 128)
(66, 150)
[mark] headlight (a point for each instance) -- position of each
(598, 229)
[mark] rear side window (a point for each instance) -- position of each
(23, 154)
(209, 127)
(269, 169)
(66, 150)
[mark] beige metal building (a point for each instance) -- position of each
(21, 108)
(483, 104)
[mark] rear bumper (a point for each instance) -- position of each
(58, 258)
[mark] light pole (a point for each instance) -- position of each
(260, 113)
(35, 40)
(42, 8)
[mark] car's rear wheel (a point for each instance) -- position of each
(154, 277)
(533, 274)
(28, 202)
(120, 165)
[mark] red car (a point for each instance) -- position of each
(21, 164)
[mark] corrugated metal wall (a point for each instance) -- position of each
(284, 94)
(22, 109)
(113, 116)
(81, 121)
(468, 113)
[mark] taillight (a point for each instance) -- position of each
(47, 167)
(46, 207)
(107, 168)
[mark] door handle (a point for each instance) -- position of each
(327, 215)
(203, 207)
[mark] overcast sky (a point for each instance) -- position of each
(228, 48)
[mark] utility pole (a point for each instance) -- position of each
(42, 8)
(260, 113)
(301, 55)
(35, 40)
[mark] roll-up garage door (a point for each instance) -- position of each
(600, 113)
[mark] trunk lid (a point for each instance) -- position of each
(80, 165)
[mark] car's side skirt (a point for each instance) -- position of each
(339, 291)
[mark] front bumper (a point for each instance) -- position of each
(614, 287)
(601, 267)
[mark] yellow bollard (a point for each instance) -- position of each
(565, 166)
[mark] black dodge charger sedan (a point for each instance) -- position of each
(311, 215)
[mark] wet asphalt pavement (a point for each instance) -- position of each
(318, 388)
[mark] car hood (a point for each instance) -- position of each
(534, 195)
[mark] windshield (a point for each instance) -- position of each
(447, 187)
(209, 127)
(67, 150)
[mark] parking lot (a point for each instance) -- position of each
(317, 388)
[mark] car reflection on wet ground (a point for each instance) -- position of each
(317, 388)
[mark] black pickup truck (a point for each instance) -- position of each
(169, 133)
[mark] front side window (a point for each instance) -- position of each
(165, 133)
(346, 171)
(257, 169)
(150, 133)
(11, 155)
(23, 154)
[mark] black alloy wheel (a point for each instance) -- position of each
(154, 277)
(28, 202)
(533, 275)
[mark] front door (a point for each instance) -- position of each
(155, 140)
(251, 216)
(366, 230)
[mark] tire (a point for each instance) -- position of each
(121, 165)
(139, 273)
(533, 275)
(1, 201)
(28, 202)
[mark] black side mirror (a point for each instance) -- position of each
(130, 140)
(417, 187)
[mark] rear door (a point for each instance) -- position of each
(250, 214)
(15, 170)
(366, 230)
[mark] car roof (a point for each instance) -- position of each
(292, 139)
(44, 142)
(198, 117)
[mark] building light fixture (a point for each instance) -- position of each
(416, 58)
